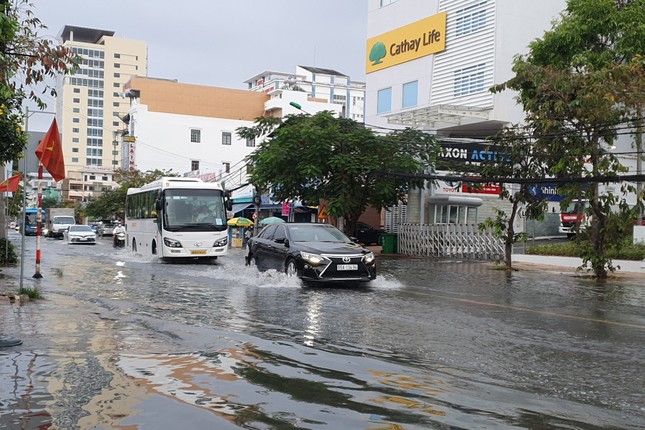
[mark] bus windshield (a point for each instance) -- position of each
(194, 209)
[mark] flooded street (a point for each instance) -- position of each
(123, 342)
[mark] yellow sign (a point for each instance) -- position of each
(416, 40)
(322, 212)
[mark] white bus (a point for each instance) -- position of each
(177, 217)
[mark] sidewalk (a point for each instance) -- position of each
(623, 266)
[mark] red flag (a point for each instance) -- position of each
(11, 184)
(50, 153)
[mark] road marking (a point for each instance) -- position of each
(534, 311)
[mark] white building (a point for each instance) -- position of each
(430, 65)
(191, 129)
(323, 85)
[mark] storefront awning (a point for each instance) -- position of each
(445, 199)
(239, 207)
(440, 116)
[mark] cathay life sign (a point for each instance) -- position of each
(416, 40)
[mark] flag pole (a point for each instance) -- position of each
(39, 220)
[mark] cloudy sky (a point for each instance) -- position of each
(224, 42)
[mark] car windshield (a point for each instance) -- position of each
(313, 233)
(64, 220)
(80, 228)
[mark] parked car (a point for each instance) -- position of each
(108, 226)
(80, 234)
(312, 252)
(366, 234)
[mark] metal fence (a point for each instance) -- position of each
(449, 240)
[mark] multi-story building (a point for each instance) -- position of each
(90, 104)
(191, 129)
(430, 65)
(318, 83)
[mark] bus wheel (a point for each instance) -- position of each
(134, 245)
(154, 247)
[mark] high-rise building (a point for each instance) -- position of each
(90, 105)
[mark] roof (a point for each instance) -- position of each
(83, 34)
(322, 71)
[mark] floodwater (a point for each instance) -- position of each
(124, 342)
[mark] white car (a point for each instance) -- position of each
(80, 234)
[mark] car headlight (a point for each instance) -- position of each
(171, 243)
(221, 242)
(369, 258)
(313, 259)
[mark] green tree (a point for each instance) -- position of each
(563, 88)
(315, 157)
(518, 158)
(111, 204)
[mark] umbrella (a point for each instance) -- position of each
(239, 221)
(270, 220)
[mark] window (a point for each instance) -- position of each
(250, 141)
(75, 140)
(195, 135)
(77, 90)
(75, 130)
(226, 138)
(117, 55)
(470, 19)
(115, 123)
(194, 165)
(384, 100)
(227, 167)
(76, 100)
(92, 177)
(117, 75)
(74, 160)
(76, 110)
(75, 149)
(469, 80)
(77, 120)
(410, 94)
(116, 85)
(115, 104)
(117, 66)
(104, 178)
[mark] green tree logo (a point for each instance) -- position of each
(377, 53)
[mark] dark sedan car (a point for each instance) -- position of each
(313, 252)
(367, 235)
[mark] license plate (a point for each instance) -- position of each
(347, 267)
(198, 252)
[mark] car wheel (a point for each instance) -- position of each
(252, 261)
(290, 268)
(134, 245)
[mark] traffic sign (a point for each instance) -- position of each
(322, 212)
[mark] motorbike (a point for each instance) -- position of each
(119, 240)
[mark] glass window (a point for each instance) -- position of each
(77, 90)
(227, 167)
(279, 234)
(117, 66)
(75, 149)
(469, 80)
(117, 55)
(194, 165)
(117, 75)
(226, 138)
(250, 141)
(470, 19)
(384, 100)
(78, 120)
(410, 94)
(77, 100)
(195, 135)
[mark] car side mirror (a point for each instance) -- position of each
(354, 239)
(280, 240)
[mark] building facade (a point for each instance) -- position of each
(324, 85)
(430, 65)
(90, 104)
(191, 129)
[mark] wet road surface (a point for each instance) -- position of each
(124, 342)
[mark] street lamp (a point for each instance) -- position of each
(299, 107)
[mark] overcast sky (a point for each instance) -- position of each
(223, 43)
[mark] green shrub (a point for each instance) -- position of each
(7, 252)
(622, 251)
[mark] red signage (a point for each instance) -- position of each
(481, 188)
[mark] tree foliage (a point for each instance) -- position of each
(520, 159)
(322, 157)
(111, 204)
(575, 109)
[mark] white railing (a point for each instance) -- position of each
(449, 240)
